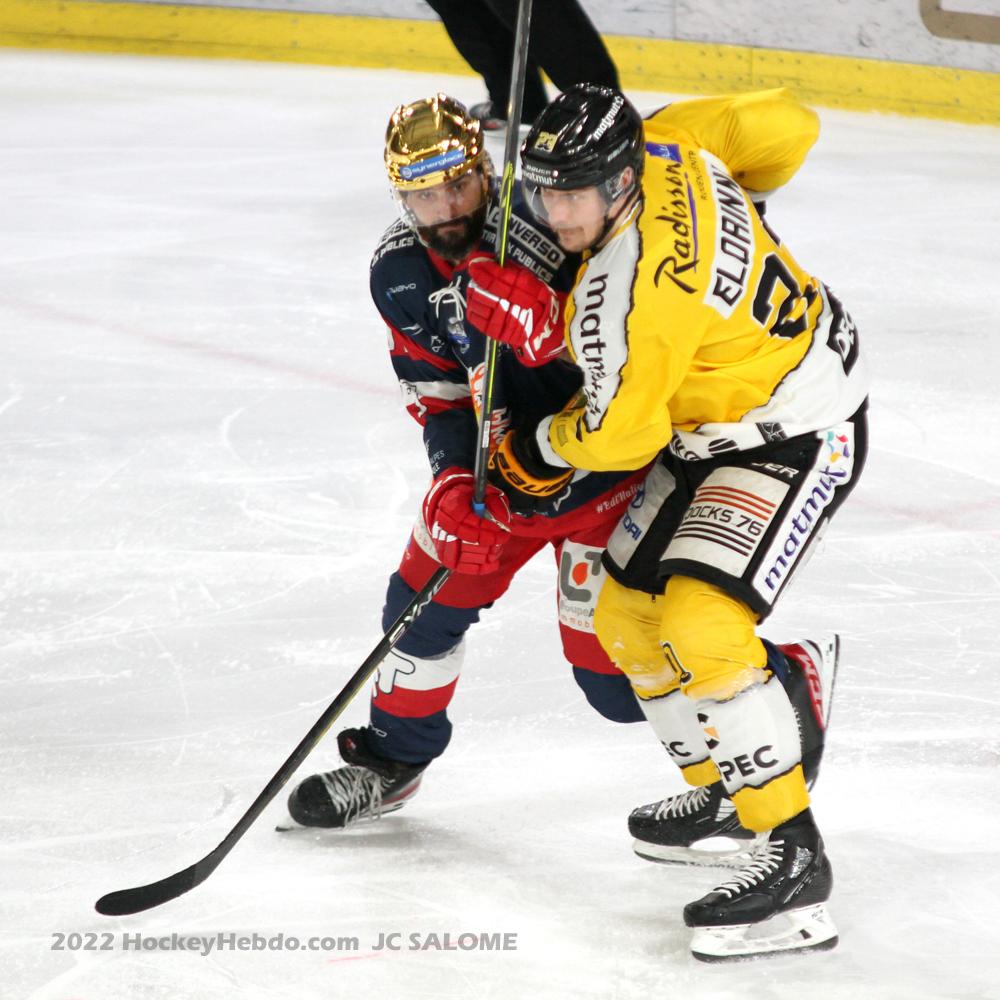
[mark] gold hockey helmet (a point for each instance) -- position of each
(431, 141)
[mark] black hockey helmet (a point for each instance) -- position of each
(586, 137)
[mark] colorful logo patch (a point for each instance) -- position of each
(664, 150)
(839, 445)
(581, 577)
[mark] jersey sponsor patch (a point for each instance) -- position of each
(397, 237)
(832, 470)
(540, 254)
(664, 150)
(500, 417)
(639, 514)
(727, 518)
(581, 577)
(745, 759)
(602, 302)
(452, 158)
(675, 208)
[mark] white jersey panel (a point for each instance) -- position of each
(830, 382)
(602, 300)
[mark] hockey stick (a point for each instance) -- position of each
(514, 103)
(145, 897)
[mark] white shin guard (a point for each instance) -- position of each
(674, 719)
(753, 737)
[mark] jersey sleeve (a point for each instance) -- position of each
(434, 385)
(633, 427)
(762, 137)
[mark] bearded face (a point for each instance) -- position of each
(457, 238)
(449, 217)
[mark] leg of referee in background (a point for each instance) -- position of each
(563, 42)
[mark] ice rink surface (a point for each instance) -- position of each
(208, 476)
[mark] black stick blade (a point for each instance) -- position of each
(145, 897)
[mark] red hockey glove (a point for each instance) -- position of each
(464, 541)
(518, 468)
(511, 305)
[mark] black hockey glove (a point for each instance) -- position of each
(517, 468)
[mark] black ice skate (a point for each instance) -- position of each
(776, 903)
(366, 789)
(700, 827)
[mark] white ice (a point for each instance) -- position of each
(208, 475)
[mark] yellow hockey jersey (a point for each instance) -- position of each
(694, 327)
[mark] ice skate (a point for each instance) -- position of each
(490, 119)
(700, 827)
(697, 827)
(366, 789)
(810, 685)
(775, 904)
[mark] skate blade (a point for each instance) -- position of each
(288, 824)
(827, 659)
(806, 929)
(723, 852)
(831, 661)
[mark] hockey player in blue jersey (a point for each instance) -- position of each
(442, 179)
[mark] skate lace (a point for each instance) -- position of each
(684, 804)
(450, 294)
(762, 866)
(354, 791)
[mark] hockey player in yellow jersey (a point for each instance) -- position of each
(701, 341)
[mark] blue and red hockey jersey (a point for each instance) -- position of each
(439, 359)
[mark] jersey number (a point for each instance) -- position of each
(787, 304)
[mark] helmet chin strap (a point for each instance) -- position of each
(610, 221)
